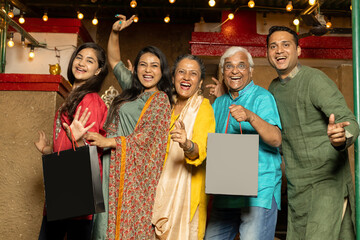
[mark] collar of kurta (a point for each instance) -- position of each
(243, 91)
(292, 74)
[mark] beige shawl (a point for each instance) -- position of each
(171, 212)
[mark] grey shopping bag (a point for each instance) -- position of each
(232, 164)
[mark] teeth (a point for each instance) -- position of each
(185, 84)
(148, 77)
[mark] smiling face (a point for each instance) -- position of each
(187, 78)
(149, 71)
(237, 73)
(283, 53)
(85, 65)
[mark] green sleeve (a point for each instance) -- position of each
(123, 75)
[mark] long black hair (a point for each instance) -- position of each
(93, 84)
(165, 83)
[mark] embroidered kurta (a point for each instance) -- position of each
(318, 175)
(98, 110)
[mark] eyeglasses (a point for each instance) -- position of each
(230, 67)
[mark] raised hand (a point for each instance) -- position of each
(78, 125)
(130, 67)
(43, 144)
(179, 134)
(336, 131)
(122, 23)
(216, 89)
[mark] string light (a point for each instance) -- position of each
(136, 19)
(312, 2)
(21, 19)
(22, 41)
(328, 23)
(296, 22)
(11, 41)
(171, 1)
(251, 4)
(45, 17)
(289, 6)
(231, 16)
(133, 4)
(31, 53)
(212, 3)
(95, 21)
(80, 15)
(167, 19)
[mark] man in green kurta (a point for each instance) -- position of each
(318, 127)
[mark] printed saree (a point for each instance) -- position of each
(135, 169)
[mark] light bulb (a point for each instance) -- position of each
(289, 6)
(80, 15)
(212, 3)
(136, 19)
(11, 14)
(351, 7)
(312, 2)
(328, 24)
(133, 4)
(21, 19)
(94, 21)
(251, 4)
(11, 41)
(31, 53)
(296, 21)
(45, 17)
(167, 19)
(231, 16)
(171, 1)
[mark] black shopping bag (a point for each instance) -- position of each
(72, 183)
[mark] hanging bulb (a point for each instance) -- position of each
(133, 4)
(95, 21)
(21, 19)
(350, 7)
(251, 4)
(22, 41)
(171, 1)
(11, 41)
(11, 13)
(31, 53)
(212, 3)
(80, 15)
(231, 16)
(312, 2)
(167, 19)
(45, 17)
(136, 19)
(289, 6)
(328, 24)
(296, 22)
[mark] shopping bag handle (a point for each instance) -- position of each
(227, 124)
(72, 140)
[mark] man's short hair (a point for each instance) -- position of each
(232, 51)
(284, 29)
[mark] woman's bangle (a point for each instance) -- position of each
(191, 148)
